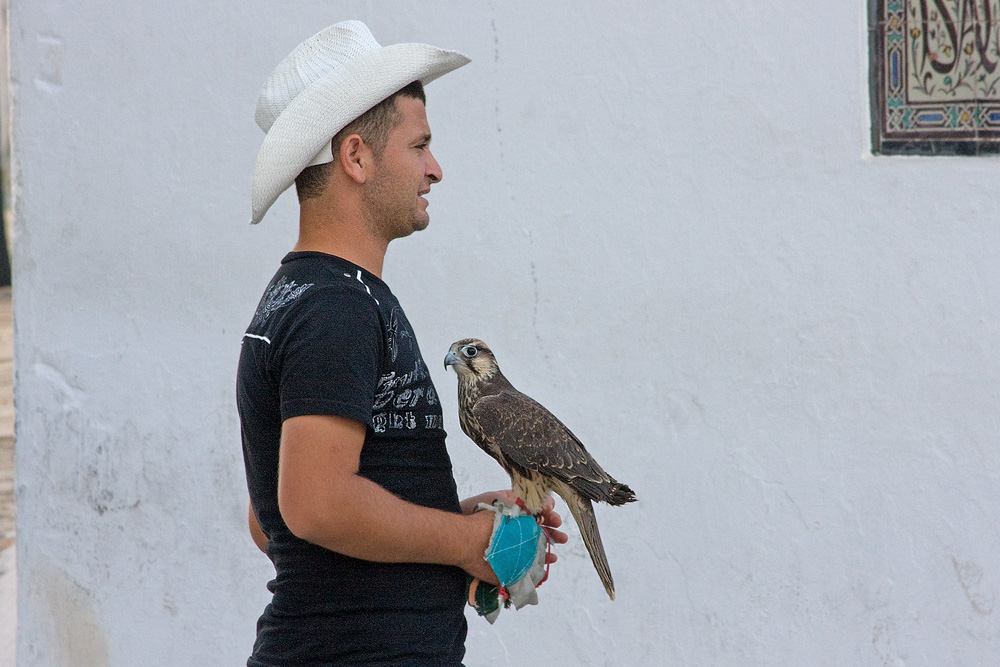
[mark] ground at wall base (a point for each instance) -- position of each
(8, 588)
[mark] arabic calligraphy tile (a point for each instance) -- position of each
(935, 76)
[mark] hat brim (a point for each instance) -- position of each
(330, 103)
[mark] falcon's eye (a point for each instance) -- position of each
(470, 351)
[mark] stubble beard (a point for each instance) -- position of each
(391, 213)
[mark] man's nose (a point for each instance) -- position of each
(434, 170)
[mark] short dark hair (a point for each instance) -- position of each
(373, 126)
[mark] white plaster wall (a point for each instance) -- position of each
(661, 217)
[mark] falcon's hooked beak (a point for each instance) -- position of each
(450, 359)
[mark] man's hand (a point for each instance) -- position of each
(549, 521)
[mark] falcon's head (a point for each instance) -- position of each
(472, 359)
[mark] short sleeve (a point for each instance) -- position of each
(329, 362)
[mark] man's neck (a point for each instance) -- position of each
(340, 234)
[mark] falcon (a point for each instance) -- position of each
(538, 452)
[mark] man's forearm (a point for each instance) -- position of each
(359, 518)
(323, 500)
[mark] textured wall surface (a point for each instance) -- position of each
(661, 217)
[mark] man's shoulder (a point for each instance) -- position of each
(334, 275)
(314, 279)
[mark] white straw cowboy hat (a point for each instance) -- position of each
(326, 82)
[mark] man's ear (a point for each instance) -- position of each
(356, 158)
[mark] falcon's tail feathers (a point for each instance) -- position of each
(620, 494)
(583, 512)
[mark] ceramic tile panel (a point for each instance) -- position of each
(935, 77)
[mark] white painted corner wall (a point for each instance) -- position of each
(664, 220)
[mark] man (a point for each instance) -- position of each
(351, 490)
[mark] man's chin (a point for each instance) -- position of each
(421, 223)
(415, 226)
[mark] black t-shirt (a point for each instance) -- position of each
(329, 338)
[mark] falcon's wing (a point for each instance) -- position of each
(531, 437)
